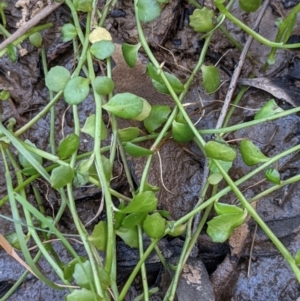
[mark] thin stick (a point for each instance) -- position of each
(238, 69)
(251, 251)
(31, 23)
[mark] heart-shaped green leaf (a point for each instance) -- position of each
(159, 84)
(129, 236)
(83, 5)
(89, 127)
(130, 53)
(99, 236)
(158, 115)
(70, 267)
(119, 217)
(76, 90)
(251, 154)
(143, 202)
(103, 49)
(181, 132)
(83, 274)
(215, 178)
(270, 108)
(128, 106)
(273, 175)
(219, 151)
(28, 167)
(61, 176)
(202, 20)
(69, 32)
(134, 219)
(57, 78)
(222, 208)
(82, 172)
(68, 146)
(220, 227)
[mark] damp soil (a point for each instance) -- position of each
(228, 271)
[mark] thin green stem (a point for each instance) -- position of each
(285, 253)
(249, 123)
(52, 109)
(136, 269)
(251, 32)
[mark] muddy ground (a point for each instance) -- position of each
(269, 277)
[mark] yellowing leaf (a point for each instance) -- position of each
(99, 34)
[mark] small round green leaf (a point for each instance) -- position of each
(103, 49)
(128, 134)
(82, 295)
(119, 217)
(181, 132)
(211, 78)
(83, 274)
(134, 219)
(68, 146)
(89, 127)
(148, 10)
(215, 178)
(57, 78)
(145, 201)
(99, 236)
(36, 39)
(250, 5)
(158, 115)
(273, 175)
(28, 167)
(221, 227)
(61, 176)
(70, 267)
(219, 151)
(129, 236)
(270, 108)
(214, 169)
(12, 52)
(251, 154)
(69, 32)
(137, 151)
(222, 208)
(176, 231)
(83, 5)
(4, 95)
(76, 90)
(128, 106)
(130, 53)
(202, 20)
(103, 85)
(154, 225)
(297, 258)
(158, 82)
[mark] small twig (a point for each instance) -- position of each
(31, 23)
(238, 69)
(251, 251)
